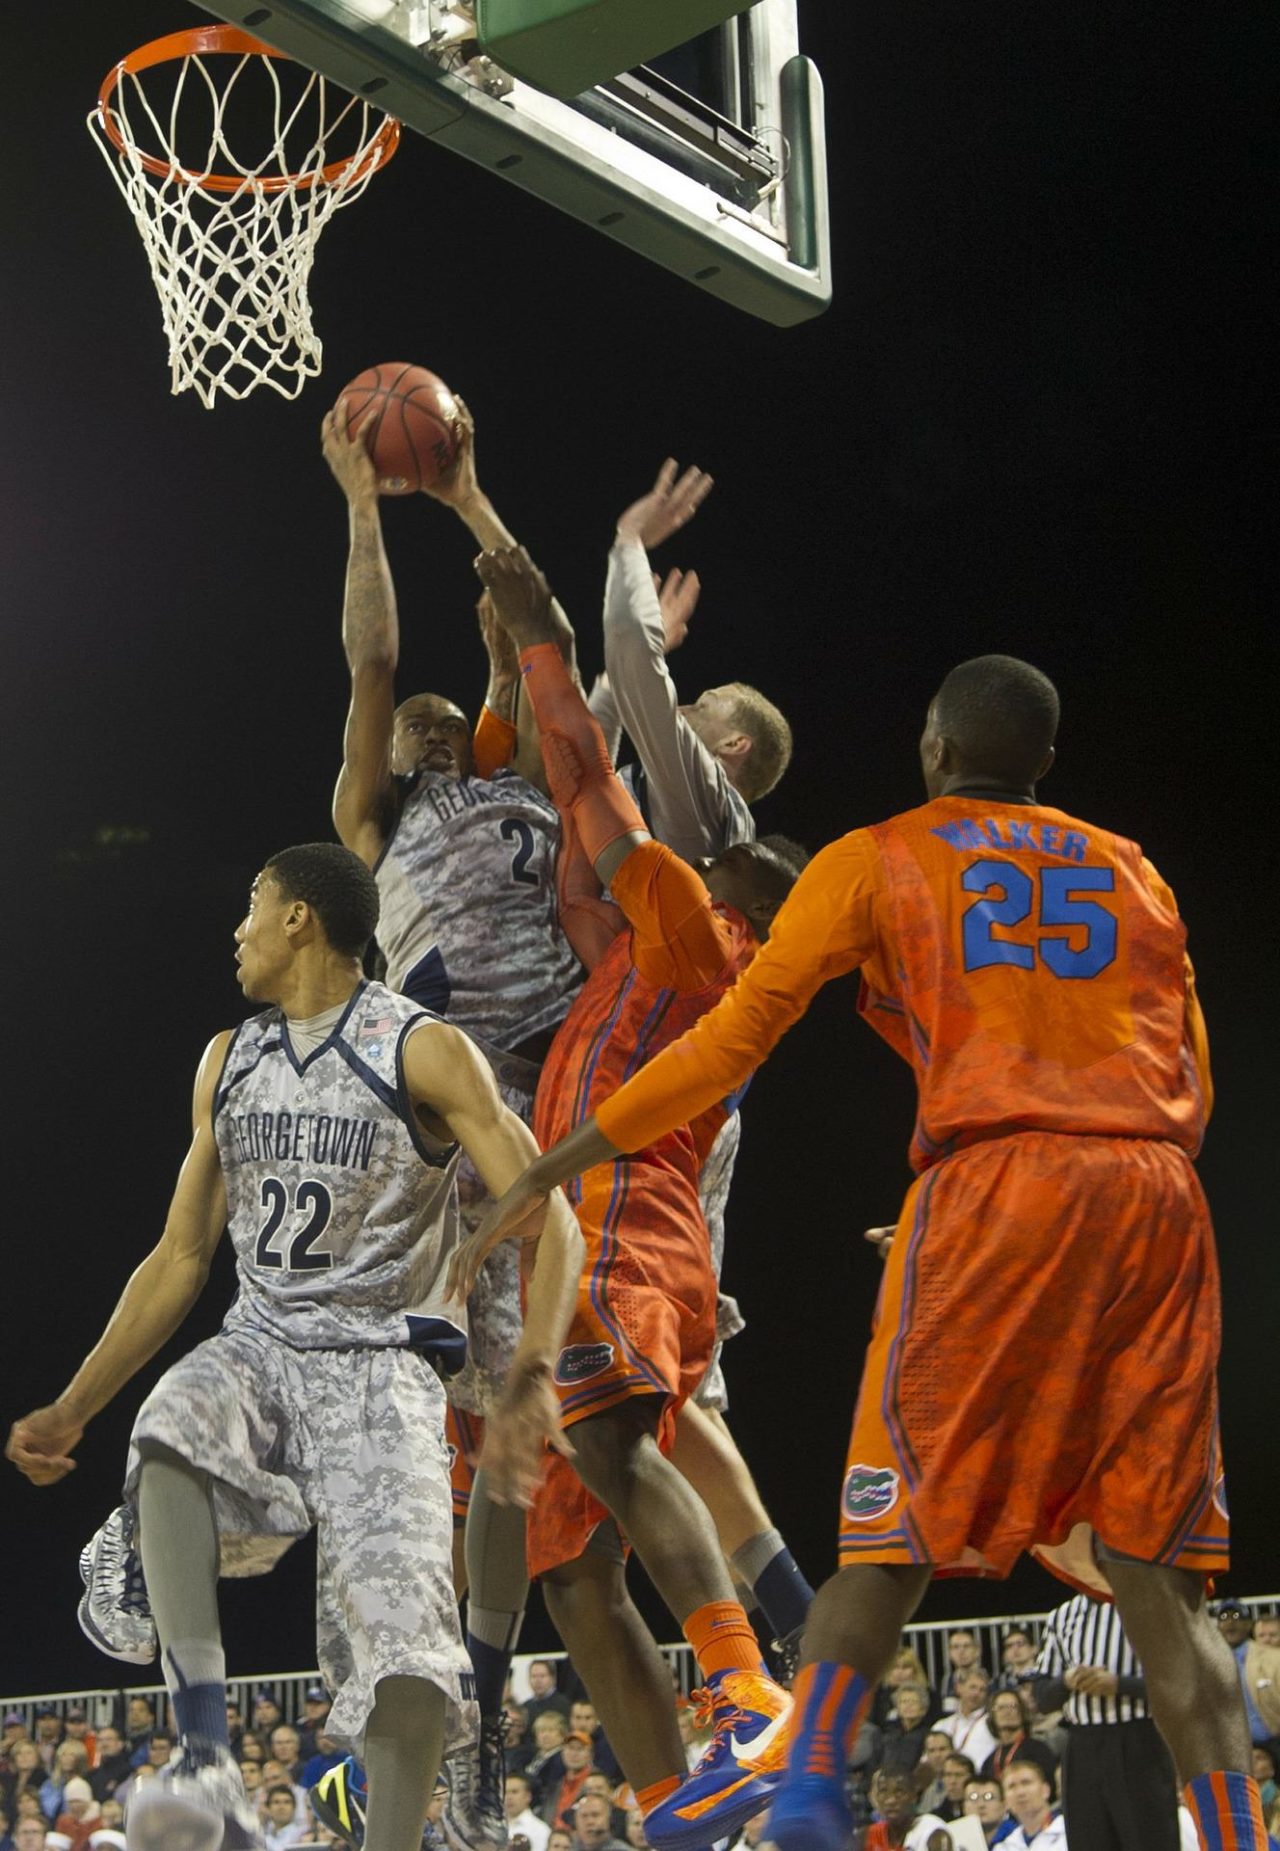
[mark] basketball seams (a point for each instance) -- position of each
(414, 444)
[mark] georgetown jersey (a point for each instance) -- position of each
(468, 925)
(342, 1210)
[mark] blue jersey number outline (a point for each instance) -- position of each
(1059, 905)
(303, 1254)
(513, 830)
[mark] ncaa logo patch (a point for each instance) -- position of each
(580, 1361)
(869, 1491)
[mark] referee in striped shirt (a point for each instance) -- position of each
(1119, 1789)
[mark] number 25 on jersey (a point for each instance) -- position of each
(1007, 896)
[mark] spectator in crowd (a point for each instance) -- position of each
(69, 1759)
(286, 1748)
(1017, 1657)
(13, 1728)
(29, 1835)
(560, 1839)
(899, 1824)
(519, 1743)
(634, 1833)
(1266, 1629)
(6, 1840)
(543, 1694)
(522, 1820)
(112, 1816)
(559, 1797)
(75, 1728)
(592, 1825)
(315, 1716)
(937, 1746)
(905, 1731)
(251, 1774)
(582, 1716)
(1009, 1719)
(282, 1824)
(140, 1720)
(957, 1772)
(327, 1754)
(108, 1838)
(1259, 1667)
(962, 1655)
(984, 1801)
(905, 1669)
(1029, 1798)
(273, 1774)
(113, 1763)
(1266, 1760)
(26, 1776)
(158, 1750)
(252, 1747)
(599, 1783)
(545, 1766)
(266, 1712)
(967, 1725)
(80, 1811)
(27, 1806)
(235, 1728)
(47, 1735)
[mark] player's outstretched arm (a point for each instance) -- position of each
(371, 640)
(448, 1080)
(153, 1303)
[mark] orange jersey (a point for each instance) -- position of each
(656, 979)
(1030, 967)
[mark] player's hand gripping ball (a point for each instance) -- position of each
(410, 423)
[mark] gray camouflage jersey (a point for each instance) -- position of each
(469, 926)
(342, 1210)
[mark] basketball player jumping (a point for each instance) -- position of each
(1031, 967)
(644, 1328)
(326, 1133)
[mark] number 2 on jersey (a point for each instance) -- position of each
(1059, 906)
(298, 1253)
(513, 830)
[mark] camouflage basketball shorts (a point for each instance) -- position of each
(493, 1309)
(350, 1442)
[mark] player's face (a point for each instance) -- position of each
(736, 878)
(262, 950)
(984, 1801)
(431, 734)
(712, 717)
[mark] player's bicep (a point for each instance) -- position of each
(364, 784)
(448, 1077)
(198, 1209)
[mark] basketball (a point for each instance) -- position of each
(412, 422)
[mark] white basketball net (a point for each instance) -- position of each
(231, 244)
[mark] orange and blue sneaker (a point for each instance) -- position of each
(739, 1771)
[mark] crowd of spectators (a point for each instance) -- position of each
(972, 1746)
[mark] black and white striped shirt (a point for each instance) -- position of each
(1086, 1632)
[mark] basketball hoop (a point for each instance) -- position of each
(231, 242)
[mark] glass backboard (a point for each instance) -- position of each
(710, 160)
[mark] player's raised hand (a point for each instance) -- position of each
(347, 454)
(41, 1444)
(517, 1433)
(517, 1216)
(881, 1239)
(458, 485)
(521, 596)
(668, 506)
(678, 597)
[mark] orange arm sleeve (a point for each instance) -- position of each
(826, 927)
(677, 941)
(493, 743)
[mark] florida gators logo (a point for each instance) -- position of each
(580, 1361)
(869, 1491)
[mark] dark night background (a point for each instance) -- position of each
(1026, 424)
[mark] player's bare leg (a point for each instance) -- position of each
(615, 1655)
(852, 1632)
(1194, 1691)
(706, 1453)
(618, 1459)
(403, 1742)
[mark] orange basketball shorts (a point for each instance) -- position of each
(1043, 1359)
(464, 1435)
(644, 1324)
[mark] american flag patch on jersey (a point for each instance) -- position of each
(382, 1026)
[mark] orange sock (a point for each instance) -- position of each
(722, 1640)
(649, 1797)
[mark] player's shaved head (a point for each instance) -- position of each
(755, 877)
(994, 719)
